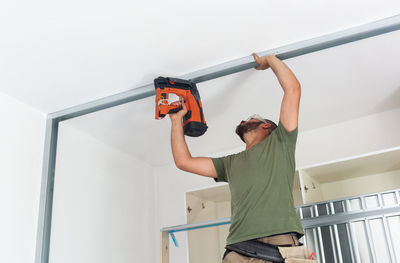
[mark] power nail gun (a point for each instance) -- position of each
(168, 90)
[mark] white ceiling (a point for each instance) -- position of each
(55, 55)
(338, 84)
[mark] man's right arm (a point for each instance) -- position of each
(182, 157)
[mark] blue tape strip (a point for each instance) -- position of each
(198, 227)
(174, 239)
(192, 228)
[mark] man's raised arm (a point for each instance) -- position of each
(182, 157)
(291, 86)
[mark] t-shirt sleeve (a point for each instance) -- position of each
(289, 138)
(221, 165)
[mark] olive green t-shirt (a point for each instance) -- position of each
(261, 181)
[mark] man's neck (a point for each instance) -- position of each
(254, 141)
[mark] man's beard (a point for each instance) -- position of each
(241, 129)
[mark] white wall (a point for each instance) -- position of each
(103, 207)
(354, 137)
(21, 151)
(361, 185)
(363, 135)
(104, 199)
(171, 185)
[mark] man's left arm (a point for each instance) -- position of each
(291, 86)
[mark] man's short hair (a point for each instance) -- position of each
(271, 129)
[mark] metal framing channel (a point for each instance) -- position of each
(363, 203)
(47, 191)
(370, 240)
(301, 217)
(397, 193)
(321, 244)
(334, 251)
(350, 240)
(345, 204)
(386, 230)
(335, 229)
(380, 200)
(285, 52)
(316, 243)
(346, 217)
(353, 236)
(289, 51)
(314, 230)
(389, 240)
(355, 242)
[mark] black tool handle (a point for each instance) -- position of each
(175, 110)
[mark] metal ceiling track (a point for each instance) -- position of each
(289, 51)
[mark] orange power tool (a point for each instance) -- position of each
(168, 90)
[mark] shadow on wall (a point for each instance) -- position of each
(391, 102)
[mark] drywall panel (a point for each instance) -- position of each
(21, 151)
(103, 207)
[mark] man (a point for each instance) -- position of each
(261, 177)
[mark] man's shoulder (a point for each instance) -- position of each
(229, 157)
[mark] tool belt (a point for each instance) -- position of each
(257, 249)
(272, 253)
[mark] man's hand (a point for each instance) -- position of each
(263, 62)
(179, 115)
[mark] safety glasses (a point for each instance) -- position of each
(257, 117)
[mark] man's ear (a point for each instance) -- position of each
(266, 125)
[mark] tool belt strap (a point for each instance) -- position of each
(257, 249)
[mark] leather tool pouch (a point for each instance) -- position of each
(299, 254)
